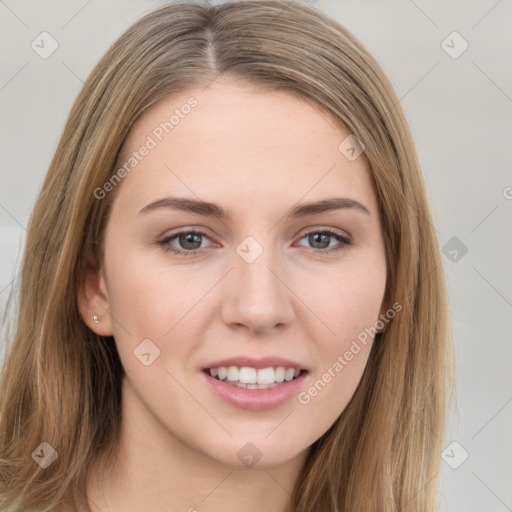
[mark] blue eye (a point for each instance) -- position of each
(190, 242)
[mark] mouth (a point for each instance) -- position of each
(254, 378)
(255, 383)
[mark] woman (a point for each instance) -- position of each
(232, 294)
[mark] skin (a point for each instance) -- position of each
(257, 154)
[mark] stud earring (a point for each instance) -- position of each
(95, 319)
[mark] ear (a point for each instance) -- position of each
(93, 299)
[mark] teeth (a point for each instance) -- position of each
(252, 378)
(253, 386)
(266, 376)
(289, 373)
(247, 375)
(233, 373)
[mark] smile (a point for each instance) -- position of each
(253, 378)
(254, 396)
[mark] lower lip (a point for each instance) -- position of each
(256, 399)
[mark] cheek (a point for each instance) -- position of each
(356, 304)
(348, 300)
(152, 300)
(350, 307)
(149, 299)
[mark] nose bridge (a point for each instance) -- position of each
(257, 296)
(253, 271)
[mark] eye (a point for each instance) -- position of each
(190, 241)
(321, 240)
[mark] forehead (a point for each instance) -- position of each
(237, 140)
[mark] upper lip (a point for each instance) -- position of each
(258, 363)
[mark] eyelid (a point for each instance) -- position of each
(319, 229)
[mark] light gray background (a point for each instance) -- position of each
(460, 113)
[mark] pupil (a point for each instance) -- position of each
(315, 238)
(189, 238)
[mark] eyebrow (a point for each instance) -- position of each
(213, 210)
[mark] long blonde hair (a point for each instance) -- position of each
(61, 383)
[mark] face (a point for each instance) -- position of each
(242, 244)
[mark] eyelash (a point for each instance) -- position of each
(344, 242)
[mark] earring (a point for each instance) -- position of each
(95, 319)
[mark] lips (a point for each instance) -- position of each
(255, 384)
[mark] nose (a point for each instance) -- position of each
(256, 296)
